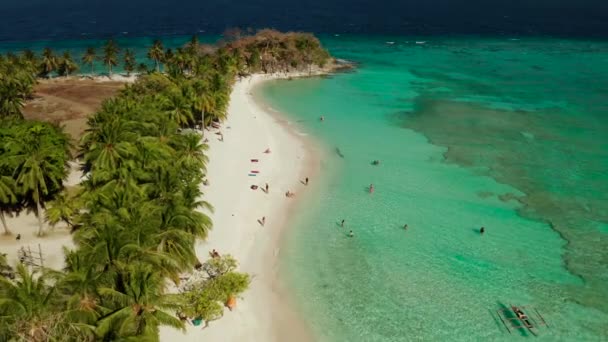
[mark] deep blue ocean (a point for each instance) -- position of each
(72, 19)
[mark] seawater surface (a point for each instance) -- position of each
(507, 134)
(510, 134)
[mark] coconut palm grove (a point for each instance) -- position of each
(139, 210)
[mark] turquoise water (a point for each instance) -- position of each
(507, 134)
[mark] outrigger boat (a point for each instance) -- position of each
(518, 319)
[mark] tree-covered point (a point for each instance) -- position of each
(273, 51)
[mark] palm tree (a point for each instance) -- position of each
(26, 306)
(140, 307)
(129, 62)
(204, 102)
(193, 45)
(79, 290)
(67, 65)
(11, 98)
(49, 62)
(177, 62)
(177, 107)
(110, 55)
(108, 145)
(89, 57)
(29, 56)
(42, 163)
(62, 208)
(156, 53)
(8, 198)
(191, 154)
(142, 68)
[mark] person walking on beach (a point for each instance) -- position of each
(482, 230)
(371, 188)
(266, 187)
(306, 181)
(263, 221)
(342, 223)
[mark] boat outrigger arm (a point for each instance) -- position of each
(518, 319)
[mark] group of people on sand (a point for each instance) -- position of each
(266, 189)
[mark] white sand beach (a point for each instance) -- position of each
(51, 244)
(263, 313)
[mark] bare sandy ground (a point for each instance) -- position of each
(70, 101)
(264, 312)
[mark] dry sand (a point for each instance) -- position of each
(71, 100)
(51, 245)
(263, 313)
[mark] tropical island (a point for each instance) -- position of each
(128, 194)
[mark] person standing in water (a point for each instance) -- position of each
(482, 230)
(351, 234)
(405, 226)
(371, 188)
(342, 223)
(322, 118)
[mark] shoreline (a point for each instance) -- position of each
(267, 311)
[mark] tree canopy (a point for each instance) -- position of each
(137, 215)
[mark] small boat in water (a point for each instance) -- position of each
(518, 319)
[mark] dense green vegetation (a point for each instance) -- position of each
(17, 79)
(136, 217)
(32, 168)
